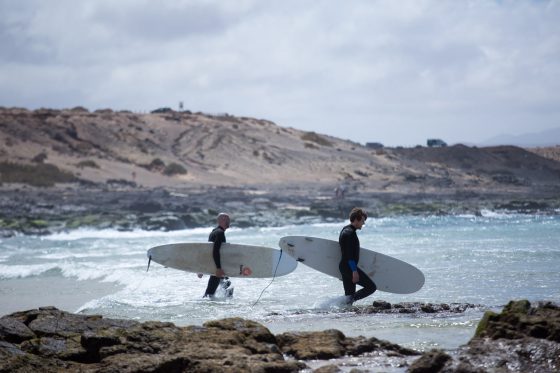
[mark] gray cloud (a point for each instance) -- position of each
(395, 72)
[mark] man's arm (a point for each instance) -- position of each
(216, 254)
(347, 245)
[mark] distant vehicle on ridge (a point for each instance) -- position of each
(436, 143)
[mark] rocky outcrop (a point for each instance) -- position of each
(380, 306)
(330, 344)
(50, 340)
(57, 341)
(522, 338)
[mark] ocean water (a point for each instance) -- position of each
(486, 261)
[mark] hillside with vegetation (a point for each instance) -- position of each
(184, 149)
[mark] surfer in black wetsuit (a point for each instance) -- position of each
(348, 266)
(218, 236)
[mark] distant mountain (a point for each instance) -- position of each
(549, 137)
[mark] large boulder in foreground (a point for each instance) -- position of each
(50, 340)
(522, 338)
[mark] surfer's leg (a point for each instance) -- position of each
(369, 286)
(349, 286)
(213, 283)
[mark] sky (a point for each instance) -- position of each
(388, 71)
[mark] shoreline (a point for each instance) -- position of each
(40, 211)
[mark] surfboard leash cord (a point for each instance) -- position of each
(270, 283)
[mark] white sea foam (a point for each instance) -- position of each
(493, 214)
(25, 270)
(116, 234)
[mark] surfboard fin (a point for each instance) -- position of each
(149, 261)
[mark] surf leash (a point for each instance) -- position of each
(270, 283)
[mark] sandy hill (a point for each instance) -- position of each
(181, 149)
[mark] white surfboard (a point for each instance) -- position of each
(237, 260)
(389, 274)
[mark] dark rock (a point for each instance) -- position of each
(381, 304)
(331, 368)
(518, 320)
(163, 223)
(430, 362)
(503, 355)
(428, 308)
(65, 342)
(332, 343)
(247, 327)
(327, 344)
(145, 206)
(14, 331)
(521, 338)
(53, 322)
(9, 350)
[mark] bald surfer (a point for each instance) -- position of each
(218, 236)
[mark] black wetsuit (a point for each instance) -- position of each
(217, 236)
(350, 247)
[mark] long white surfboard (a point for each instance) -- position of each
(389, 274)
(237, 260)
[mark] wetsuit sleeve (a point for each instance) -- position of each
(216, 254)
(348, 242)
(347, 246)
(220, 237)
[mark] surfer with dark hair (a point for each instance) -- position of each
(348, 266)
(218, 236)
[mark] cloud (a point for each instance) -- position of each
(395, 72)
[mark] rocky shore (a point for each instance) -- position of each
(522, 338)
(39, 211)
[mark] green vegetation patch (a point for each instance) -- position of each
(84, 221)
(41, 175)
(174, 169)
(88, 163)
(317, 139)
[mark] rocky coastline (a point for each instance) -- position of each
(40, 211)
(71, 168)
(523, 337)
